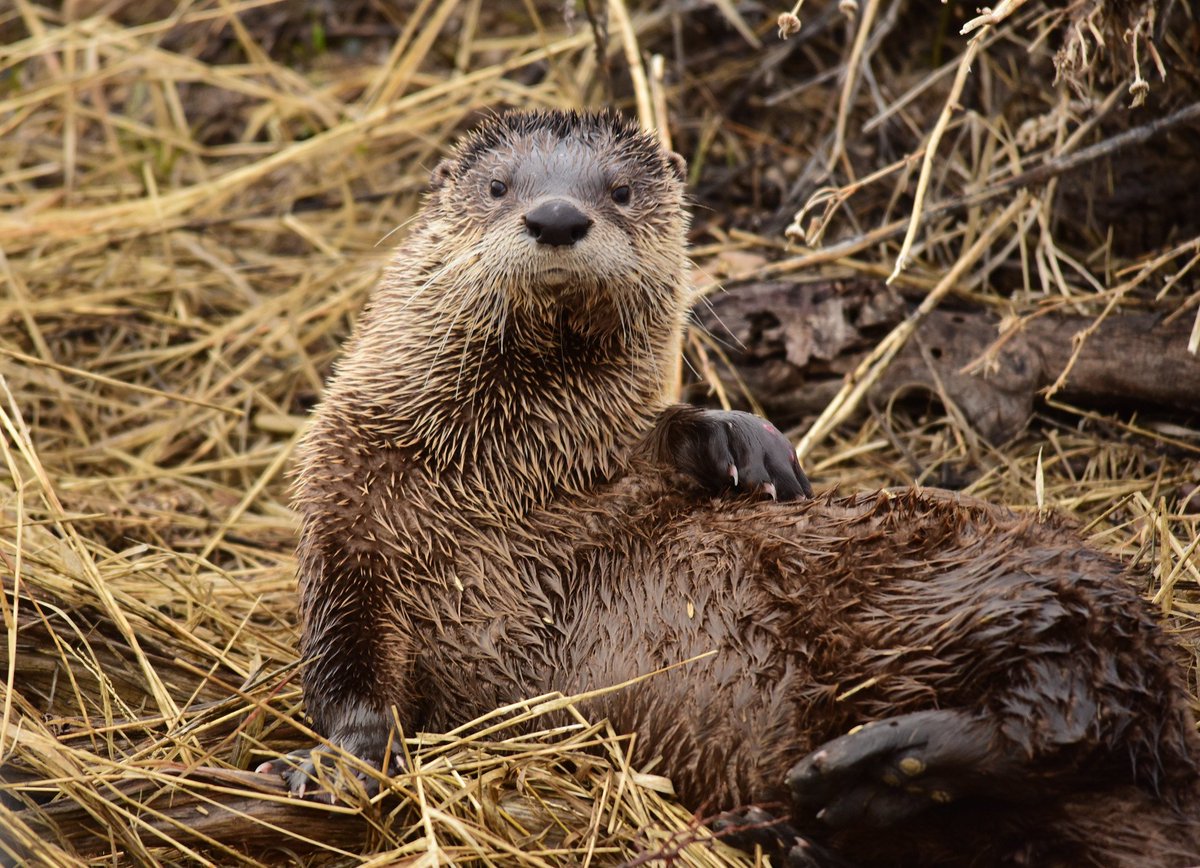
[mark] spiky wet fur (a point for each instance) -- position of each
(484, 519)
(469, 396)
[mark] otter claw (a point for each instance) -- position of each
(806, 854)
(298, 770)
(313, 774)
(727, 450)
(747, 828)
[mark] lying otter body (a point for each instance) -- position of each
(493, 509)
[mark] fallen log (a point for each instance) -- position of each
(791, 344)
(206, 808)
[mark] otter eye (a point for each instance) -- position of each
(498, 189)
(621, 194)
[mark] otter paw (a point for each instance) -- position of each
(807, 854)
(321, 775)
(746, 828)
(887, 771)
(728, 449)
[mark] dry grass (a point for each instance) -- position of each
(194, 205)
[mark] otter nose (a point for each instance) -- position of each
(557, 222)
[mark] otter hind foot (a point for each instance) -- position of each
(885, 772)
(319, 774)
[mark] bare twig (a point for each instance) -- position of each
(992, 17)
(633, 57)
(931, 146)
(850, 82)
(872, 367)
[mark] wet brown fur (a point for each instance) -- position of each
(485, 519)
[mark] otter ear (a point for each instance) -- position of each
(441, 174)
(678, 165)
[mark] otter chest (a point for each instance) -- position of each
(486, 635)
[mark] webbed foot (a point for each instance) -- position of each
(725, 450)
(323, 774)
(890, 770)
(747, 828)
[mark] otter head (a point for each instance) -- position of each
(555, 213)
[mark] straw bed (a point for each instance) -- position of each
(196, 198)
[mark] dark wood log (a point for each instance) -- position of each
(792, 344)
(246, 810)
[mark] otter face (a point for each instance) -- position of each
(564, 209)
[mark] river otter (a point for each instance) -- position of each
(496, 503)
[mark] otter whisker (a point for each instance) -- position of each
(562, 360)
(431, 280)
(467, 346)
(625, 332)
(704, 299)
(397, 228)
(691, 367)
(496, 316)
(461, 287)
(465, 292)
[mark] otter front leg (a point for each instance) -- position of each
(319, 773)
(889, 770)
(358, 673)
(725, 450)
